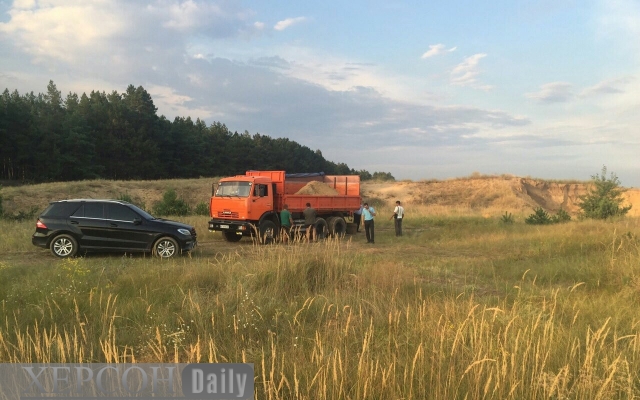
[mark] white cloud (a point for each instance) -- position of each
(47, 31)
(435, 49)
(188, 14)
(75, 31)
(554, 92)
(169, 102)
(609, 86)
(466, 73)
(284, 24)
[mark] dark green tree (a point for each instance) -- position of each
(383, 176)
(46, 137)
(604, 198)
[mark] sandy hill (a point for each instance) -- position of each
(495, 194)
(508, 193)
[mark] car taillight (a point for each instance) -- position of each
(40, 225)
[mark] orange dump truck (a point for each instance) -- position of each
(250, 204)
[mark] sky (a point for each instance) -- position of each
(425, 90)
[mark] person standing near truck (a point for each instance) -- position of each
(286, 222)
(368, 213)
(309, 221)
(357, 216)
(398, 214)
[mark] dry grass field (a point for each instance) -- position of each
(462, 306)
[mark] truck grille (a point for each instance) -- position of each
(227, 214)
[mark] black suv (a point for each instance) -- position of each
(69, 226)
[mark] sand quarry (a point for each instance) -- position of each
(490, 195)
(513, 194)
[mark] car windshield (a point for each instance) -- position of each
(233, 189)
(142, 212)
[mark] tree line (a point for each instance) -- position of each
(46, 138)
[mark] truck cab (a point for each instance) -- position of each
(240, 205)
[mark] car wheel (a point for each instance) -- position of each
(231, 236)
(166, 247)
(64, 246)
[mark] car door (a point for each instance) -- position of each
(89, 220)
(126, 230)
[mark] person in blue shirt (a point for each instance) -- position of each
(368, 213)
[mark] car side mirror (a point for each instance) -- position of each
(137, 221)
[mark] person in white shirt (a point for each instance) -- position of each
(398, 215)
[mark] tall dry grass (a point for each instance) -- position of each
(462, 306)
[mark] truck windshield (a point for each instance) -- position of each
(233, 189)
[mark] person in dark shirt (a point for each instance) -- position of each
(309, 221)
(357, 215)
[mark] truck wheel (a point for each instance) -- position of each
(330, 224)
(231, 236)
(64, 246)
(337, 226)
(267, 232)
(320, 229)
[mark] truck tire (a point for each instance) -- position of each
(337, 226)
(267, 231)
(329, 223)
(320, 229)
(231, 236)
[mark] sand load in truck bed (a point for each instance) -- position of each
(316, 188)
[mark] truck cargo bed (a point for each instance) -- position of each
(297, 203)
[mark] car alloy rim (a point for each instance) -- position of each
(63, 247)
(166, 249)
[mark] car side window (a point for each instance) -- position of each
(94, 210)
(62, 209)
(79, 212)
(121, 213)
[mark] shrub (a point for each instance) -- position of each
(22, 215)
(539, 217)
(561, 216)
(507, 218)
(201, 209)
(604, 198)
(127, 197)
(171, 205)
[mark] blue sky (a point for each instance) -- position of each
(547, 89)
